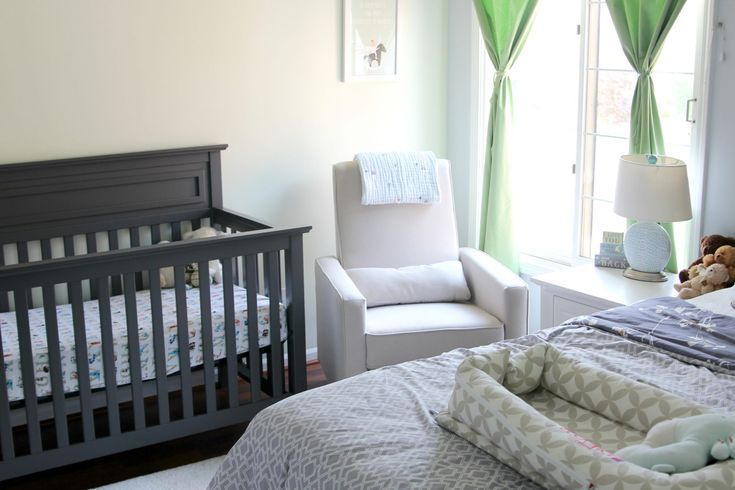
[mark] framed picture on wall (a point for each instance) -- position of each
(370, 40)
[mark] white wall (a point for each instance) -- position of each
(462, 128)
(719, 198)
(86, 77)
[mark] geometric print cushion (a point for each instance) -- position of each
(524, 370)
(612, 395)
(487, 414)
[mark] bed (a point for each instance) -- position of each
(379, 429)
(100, 353)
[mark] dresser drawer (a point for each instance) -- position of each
(565, 309)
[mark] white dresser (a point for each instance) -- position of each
(586, 289)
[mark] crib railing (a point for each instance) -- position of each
(111, 238)
(36, 432)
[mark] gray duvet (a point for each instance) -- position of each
(377, 430)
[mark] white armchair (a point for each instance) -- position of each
(353, 338)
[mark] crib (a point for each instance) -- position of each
(99, 357)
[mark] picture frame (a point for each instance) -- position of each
(370, 40)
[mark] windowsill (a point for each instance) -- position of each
(531, 265)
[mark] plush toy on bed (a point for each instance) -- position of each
(714, 277)
(685, 444)
(707, 245)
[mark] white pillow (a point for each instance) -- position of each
(433, 283)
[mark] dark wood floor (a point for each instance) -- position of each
(146, 460)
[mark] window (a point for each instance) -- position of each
(572, 92)
(610, 82)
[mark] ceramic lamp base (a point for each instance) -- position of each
(647, 249)
(631, 273)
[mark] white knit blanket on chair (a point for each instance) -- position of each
(398, 177)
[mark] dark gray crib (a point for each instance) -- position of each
(87, 229)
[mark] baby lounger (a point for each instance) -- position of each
(558, 421)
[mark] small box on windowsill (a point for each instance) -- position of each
(615, 237)
(614, 261)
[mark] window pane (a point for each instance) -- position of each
(614, 97)
(672, 92)
(679, 50)
(603, 219)
(607, 155)
(611, 52)
(545, 105)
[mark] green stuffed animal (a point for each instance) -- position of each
(685, 444)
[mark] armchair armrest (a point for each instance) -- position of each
(340, 314)
(496, 290)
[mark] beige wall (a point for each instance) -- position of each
(85, 77)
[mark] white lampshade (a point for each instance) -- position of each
(655, 192)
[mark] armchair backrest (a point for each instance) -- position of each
(392, 235)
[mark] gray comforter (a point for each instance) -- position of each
(377, 430)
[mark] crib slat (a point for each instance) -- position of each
(45, 249)
(22, 252)
(68, 246)
(155, 234)
(136, 377)
(176, 231)
(230, 346)
(54, 361)
(22, 248)
(68, 252)
(134, 243)
(159, 346)
(92, 248)
(108, 356)
(114, 245)
(6, 432)
(82, 356)
(236, 271)
(275, 368)
(182, 332)
(4, 303)
(28, 371)
(251, 271)
(294, 259)
(235, 267)
(207, 347)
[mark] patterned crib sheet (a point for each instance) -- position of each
(11, 346)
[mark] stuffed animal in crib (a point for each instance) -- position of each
(707, 245)
(166, 274)
(685, 444)
(726, 255)
(215, 266)
(714, 277)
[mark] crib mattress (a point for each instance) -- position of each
(11, 346)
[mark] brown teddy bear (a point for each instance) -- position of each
(710, 279)
(725, 255)
(707, 245)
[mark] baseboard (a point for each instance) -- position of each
(311, 355)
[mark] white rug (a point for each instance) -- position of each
(192, 476)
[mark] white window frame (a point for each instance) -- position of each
(697, 166)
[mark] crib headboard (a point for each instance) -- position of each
(78, 195)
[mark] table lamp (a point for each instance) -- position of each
(650, 189)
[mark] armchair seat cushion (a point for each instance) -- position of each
(399, 333)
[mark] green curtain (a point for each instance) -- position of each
(642, 26)
(505, 25)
